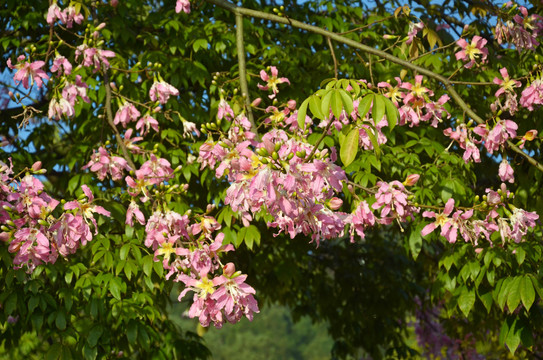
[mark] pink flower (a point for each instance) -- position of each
(182, 5)
(103, 164)
(361, 219)
(441, 220)
(126, 114)
(93, 56)
(162, 90)
(505, 172)
(61, 63)
(507, 84)
(85, 208)
(134, 210)
(54, 13)
(472, 51)
(71, 15)
(532, 95)
(225, 111)
(146, 123)
(59, 107)
(26, 70)
(271, 81)
(413, 31)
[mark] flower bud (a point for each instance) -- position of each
(530, 135)
(256, 102)
(101, 26)
(335, 203)
(4, 236)
(411, 179)
(229, 269)
(36, 166)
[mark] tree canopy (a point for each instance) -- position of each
(375, 166)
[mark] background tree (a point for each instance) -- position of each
(111, 298)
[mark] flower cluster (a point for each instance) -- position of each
(68, 16)
(497, 218)
(32, 231)
(64, 105)
(417, 105)
(190, 254)
(277, 176)
(522, 31)
(103, 163)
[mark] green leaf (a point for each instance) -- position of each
(94, 335)
(466, 301)
(347, 101)
(391, 112)
(520, 254)
(512, 339)
(302, 112)
(60, 320)
(11, 304)
(90, 353)
(148, 265)
(200, 44)
(415, 241)
(124, 251)
(373, 140)
(379, 108)
(527, 292)
(513, 299)
(132, 331)
(54, 352)
(355, 86)
(115, 288)
(364, 106)
(349, 147)
(326, 100)
(315, 107)
(486, 299)
(337, 103)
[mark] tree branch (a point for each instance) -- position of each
(109, 116)
(243, 72)
(357, 45)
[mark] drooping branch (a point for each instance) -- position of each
(243, 72)
(384, 55)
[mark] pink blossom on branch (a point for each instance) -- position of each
(27, 70)
(182, 5)
(471, 52)
(507, 85)
(271, 81)
(162, 90)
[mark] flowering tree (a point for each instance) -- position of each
(378, 169)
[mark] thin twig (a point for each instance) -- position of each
(109, 116)
(333, 56)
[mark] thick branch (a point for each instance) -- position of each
(243, 72)
(357, 45)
